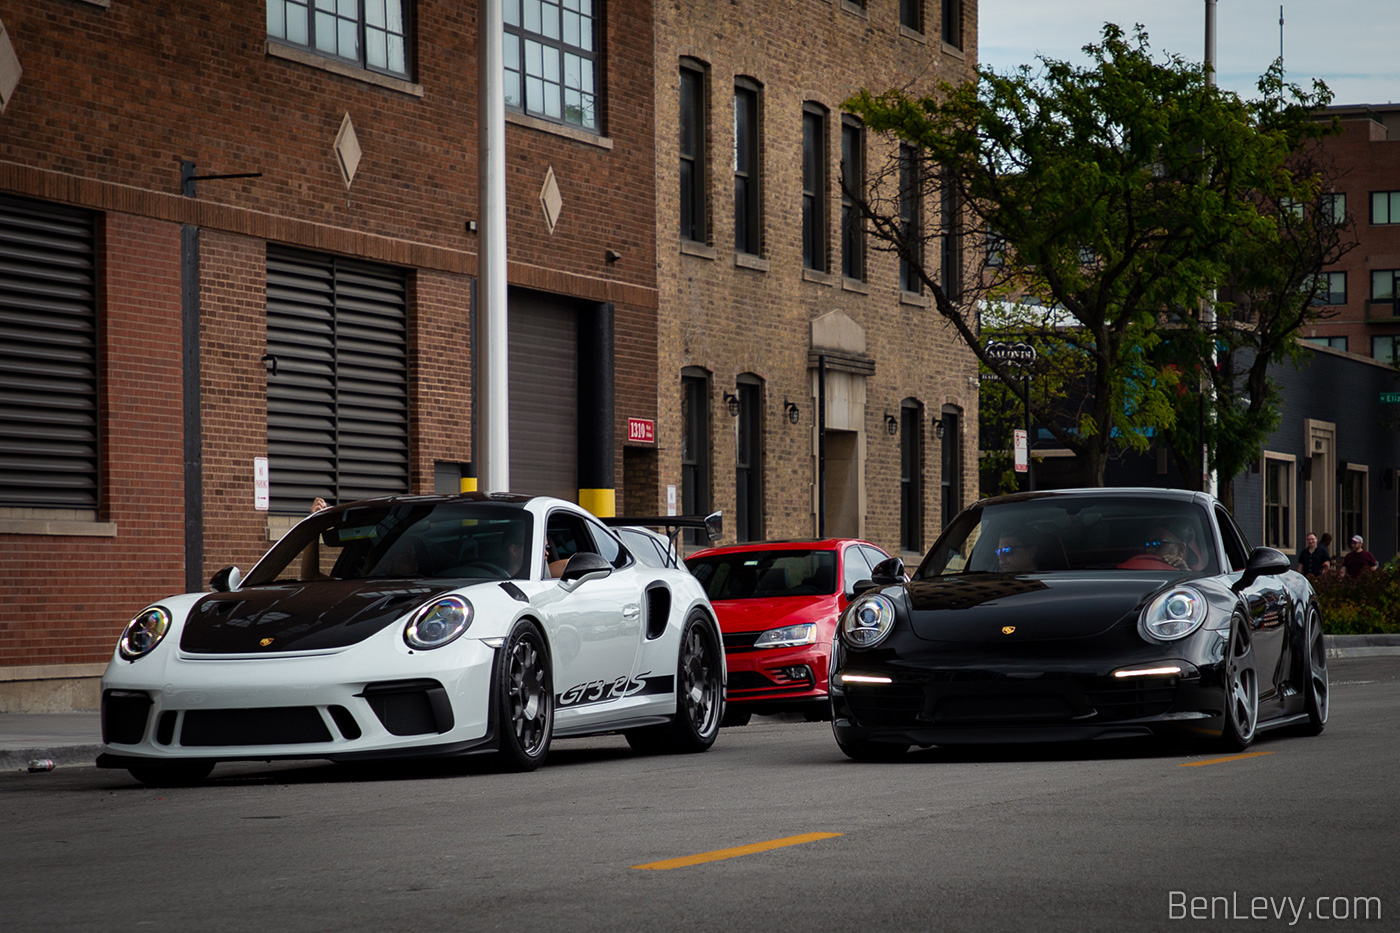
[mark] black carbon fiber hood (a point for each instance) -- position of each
(300, 616)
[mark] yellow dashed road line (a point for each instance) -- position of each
(1217, 761)
(735, 852)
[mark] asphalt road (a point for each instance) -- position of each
(1115, 836)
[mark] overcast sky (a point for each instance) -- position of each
(1353, 45)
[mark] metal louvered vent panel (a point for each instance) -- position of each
(338, 401)
(48, 356)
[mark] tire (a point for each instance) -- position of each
(1316, 687)
(699, 696)
(525, 699)
(861, 750)
(736, 716)
(174, 774)
(1241, 692)
(817, 712)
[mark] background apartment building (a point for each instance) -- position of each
(1361, 296)
(233, 230)
(790, 349)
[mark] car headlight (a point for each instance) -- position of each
(1174, 614)
(438, 622)
(867, 621)
(143, 633)
(789, 636)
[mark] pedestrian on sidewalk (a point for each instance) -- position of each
(1358, 561)
(1315, 560)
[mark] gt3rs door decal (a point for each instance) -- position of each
(599, 691)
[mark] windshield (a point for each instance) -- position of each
(1056, 533)
(766, 574)
(413, 540)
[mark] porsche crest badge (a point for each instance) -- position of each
(265, 642)
(1008, 629)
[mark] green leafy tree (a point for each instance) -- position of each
(1273, 290)
(1118, 195)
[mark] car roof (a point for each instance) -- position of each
(1111, 492)
(502, 498)
(789, 544)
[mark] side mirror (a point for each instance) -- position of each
(888, 571)
(714, 525)
(863, 586)
(226, 580)
(1263, 562)
(585, 565)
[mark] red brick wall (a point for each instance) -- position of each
(1364, 158)
(233, 383)
(112, 99)
(64, 599)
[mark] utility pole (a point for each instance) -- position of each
(492, 435)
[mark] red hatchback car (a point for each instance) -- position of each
(778, 603)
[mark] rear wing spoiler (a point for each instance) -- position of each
(713, 524)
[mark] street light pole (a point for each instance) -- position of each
(1209, 479)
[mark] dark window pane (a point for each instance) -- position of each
(814, 191)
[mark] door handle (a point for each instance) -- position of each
(631, 611)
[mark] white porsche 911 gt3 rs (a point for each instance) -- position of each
(418, 626)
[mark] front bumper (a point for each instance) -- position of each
(774, 679)
(345, 705)
(970, 699)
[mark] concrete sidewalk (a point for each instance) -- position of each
(71, 739)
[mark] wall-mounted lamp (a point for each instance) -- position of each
(612, 255)
(732, 402)
(891, 424)
(794, 414)
(938, 428)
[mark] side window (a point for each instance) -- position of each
(607, 544)
(565, 535)
(857, 568)
(874, 556)
(1236, 548)
(643, 547)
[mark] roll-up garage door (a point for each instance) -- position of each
(48, 356)
(543, 361)
(337, 384)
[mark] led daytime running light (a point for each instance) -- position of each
(1148, 672)
(865, 679)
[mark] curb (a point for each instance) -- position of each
(63, 756)
(1361, 646)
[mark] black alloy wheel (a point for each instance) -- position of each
(699, 695)
(1316, 688)
(1241, 691)
(525, 698)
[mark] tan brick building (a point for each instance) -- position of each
(161, 333)
(768, 304)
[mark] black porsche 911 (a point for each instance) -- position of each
(1076, 615)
